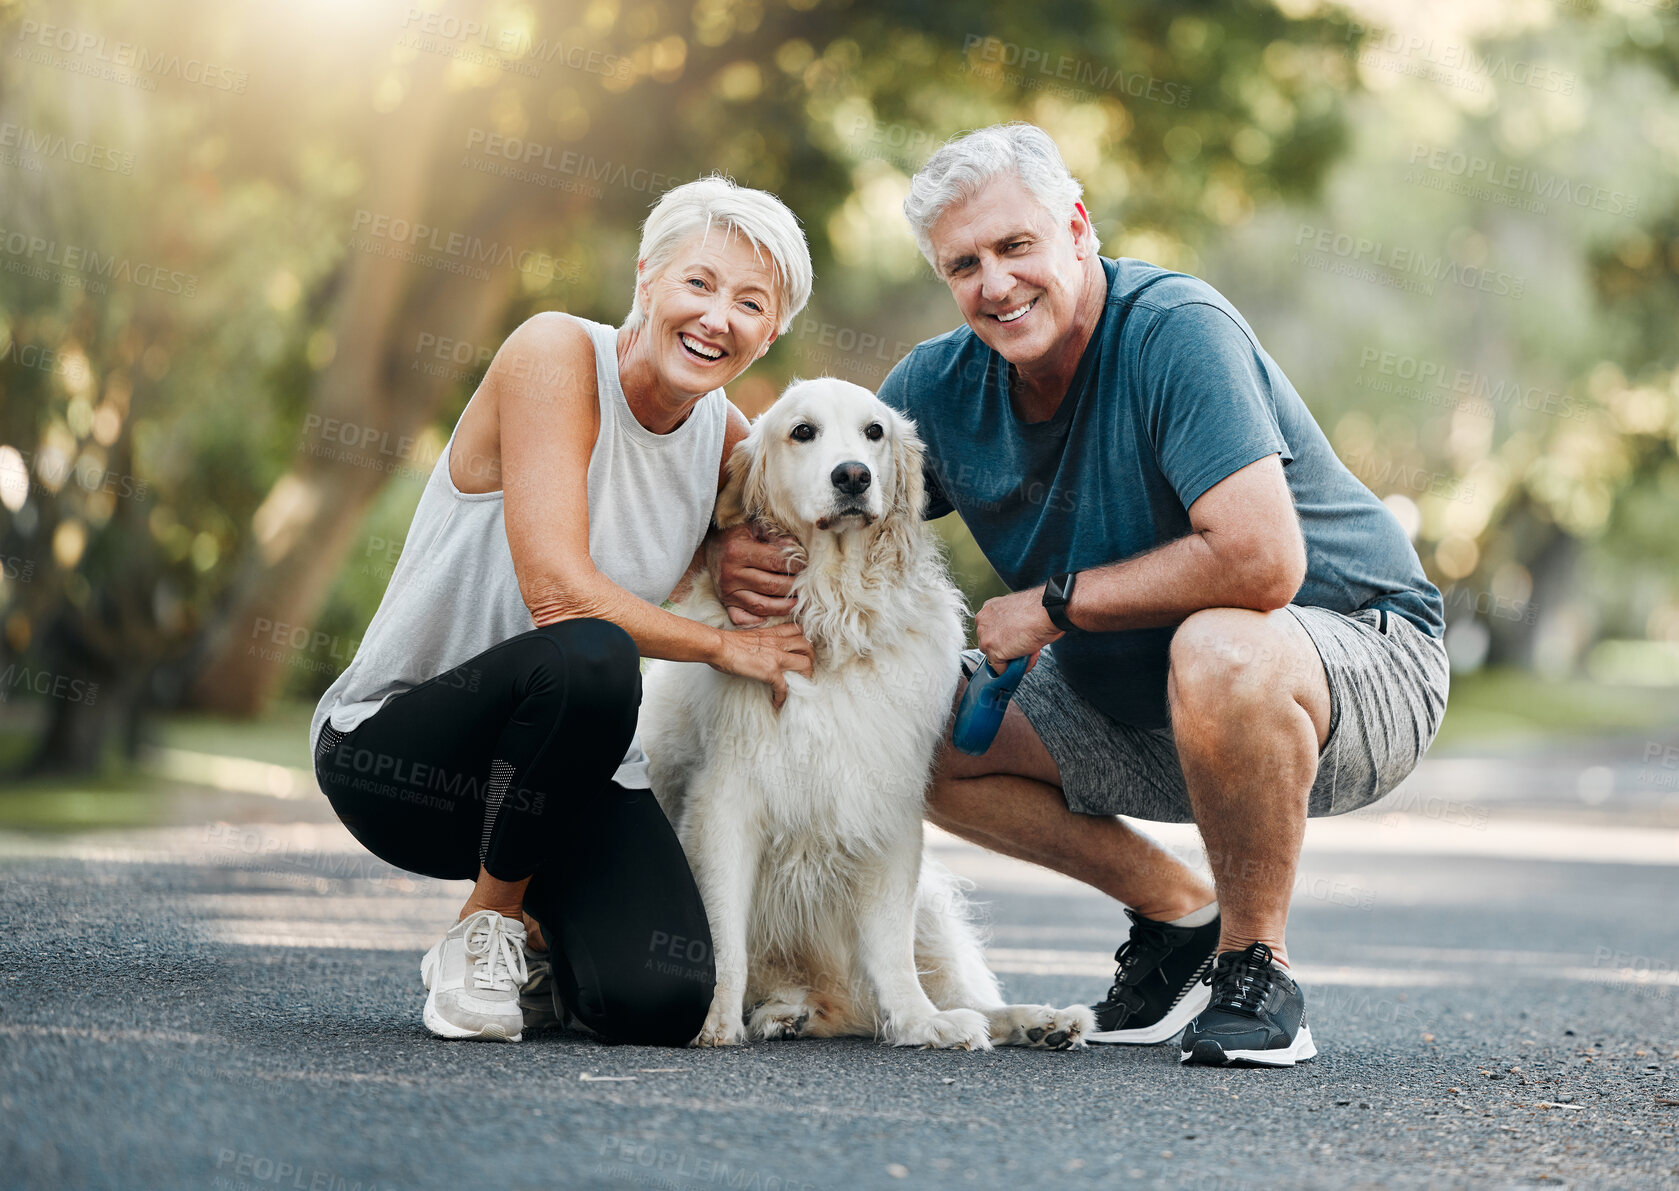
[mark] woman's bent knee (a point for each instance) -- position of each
(599, 659)
(598, 640)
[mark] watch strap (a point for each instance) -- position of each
(1057, 591)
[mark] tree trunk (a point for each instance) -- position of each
(1551, 556)
(81, 732)
(308, 521)
(92, 701)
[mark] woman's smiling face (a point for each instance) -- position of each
(710, 313)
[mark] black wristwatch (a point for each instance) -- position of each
(1057, 592)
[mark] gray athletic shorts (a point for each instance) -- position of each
(1387, 690)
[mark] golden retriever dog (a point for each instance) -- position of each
(804, 825)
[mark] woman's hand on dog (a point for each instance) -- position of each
(751, 573)
(767, 654)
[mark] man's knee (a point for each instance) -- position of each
(1231, 660)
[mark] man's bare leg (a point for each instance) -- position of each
(1009, 800)
(1250, 712)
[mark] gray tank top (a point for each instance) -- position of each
(454, 593)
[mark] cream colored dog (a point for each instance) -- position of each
(803, 826)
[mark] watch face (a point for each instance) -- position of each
(1056, 593)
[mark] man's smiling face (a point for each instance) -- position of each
(1015, 270)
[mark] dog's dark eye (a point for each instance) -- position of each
(804, 432)
(874, 432)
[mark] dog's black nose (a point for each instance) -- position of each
(851, 478)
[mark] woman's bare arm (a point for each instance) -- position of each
(546, 431)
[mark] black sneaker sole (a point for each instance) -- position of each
(1164, 1030)
(1208, 1053)
(538, 1009)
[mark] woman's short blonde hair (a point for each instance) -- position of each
(757, 215)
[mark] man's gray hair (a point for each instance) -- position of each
(966, 163)
(758, 215)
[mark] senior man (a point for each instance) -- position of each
(1226, 626)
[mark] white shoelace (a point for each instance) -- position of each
(498, 958)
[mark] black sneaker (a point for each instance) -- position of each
(1158, 985)
(537, 994)
(1257, 1015)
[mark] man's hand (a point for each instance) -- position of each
(1014, 626)
(751, 573)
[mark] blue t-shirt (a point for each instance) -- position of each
(1173, 394)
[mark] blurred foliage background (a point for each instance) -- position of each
(254, 259)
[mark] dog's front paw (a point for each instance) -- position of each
(953, 1029)
(1042, 1026)
(722, 1028)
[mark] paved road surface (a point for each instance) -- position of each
(1490, 963)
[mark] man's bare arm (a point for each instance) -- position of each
(1246, 551)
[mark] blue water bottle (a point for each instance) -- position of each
(980, 713)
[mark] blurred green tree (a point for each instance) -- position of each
(1487, 331)
(373, 189)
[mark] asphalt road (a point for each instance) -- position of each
(1491, 980)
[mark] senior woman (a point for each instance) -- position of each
(485, 729)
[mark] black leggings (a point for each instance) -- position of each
(507, 761)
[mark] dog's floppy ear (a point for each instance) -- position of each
(744, 493)
(909, 459)
(901, 536)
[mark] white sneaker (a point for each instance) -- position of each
(472, 976)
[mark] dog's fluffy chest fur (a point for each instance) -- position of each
(846, 760)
